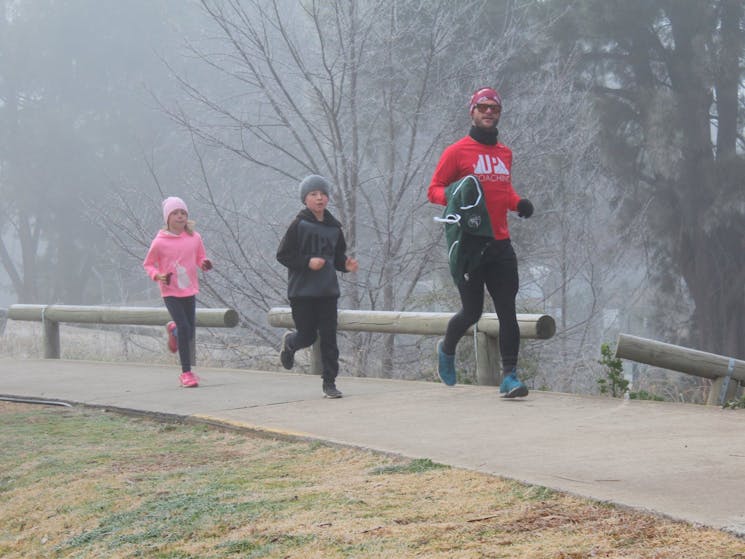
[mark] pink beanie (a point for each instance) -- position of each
(484, 94)
(170, 204)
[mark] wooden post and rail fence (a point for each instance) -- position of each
(488, 366)
(725, 372)
(52, 315)
(488, 363)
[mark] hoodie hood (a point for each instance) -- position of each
(328, 219)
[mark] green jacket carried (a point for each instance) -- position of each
(467, 226)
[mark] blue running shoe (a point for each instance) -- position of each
(445, 366)
(512, 387)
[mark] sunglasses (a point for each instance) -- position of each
(484, 107)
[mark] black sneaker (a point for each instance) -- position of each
(330, 390)
(286, 355)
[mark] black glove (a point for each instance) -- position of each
(524, 208)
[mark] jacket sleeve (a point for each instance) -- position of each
(151, 261)
(340, 256)
(288, 254)
(443, 176)
(514, 199)
(201, 252)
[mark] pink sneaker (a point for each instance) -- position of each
(172, 339)
(189, 380)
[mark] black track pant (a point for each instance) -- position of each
(498, 273)
(183, 311)
(317, 316)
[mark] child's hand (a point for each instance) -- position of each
(316, 263)
(164, 278)
(206, 264)
(352, 265)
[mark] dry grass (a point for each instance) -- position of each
(86, 484)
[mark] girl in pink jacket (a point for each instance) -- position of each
(173, 260)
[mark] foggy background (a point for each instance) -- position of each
(625, 119)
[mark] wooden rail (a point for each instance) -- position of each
(722, 370)
(51, 316)
(488, 362)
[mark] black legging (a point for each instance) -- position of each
(183, 311)
(498, 273)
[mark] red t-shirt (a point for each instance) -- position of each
(492, 165)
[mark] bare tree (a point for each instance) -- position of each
(368, 93)
(358, 91)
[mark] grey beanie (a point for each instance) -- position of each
(311, 183)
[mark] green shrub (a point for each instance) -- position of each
(644, 395)
(735, 404)
(614, 382)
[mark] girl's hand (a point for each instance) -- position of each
(206, 264)
(352, 265)
(164, 278)
(316, 263)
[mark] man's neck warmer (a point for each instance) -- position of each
(488, 137)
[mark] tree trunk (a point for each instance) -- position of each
(708, 252)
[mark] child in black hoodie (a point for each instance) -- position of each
(313, 249)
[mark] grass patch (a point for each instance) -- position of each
(416, 466)
(81, 483)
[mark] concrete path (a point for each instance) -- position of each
(682, 461)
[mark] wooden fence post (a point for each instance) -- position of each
(51, 339)
(316, 363)
(716, 396)
(485, 373)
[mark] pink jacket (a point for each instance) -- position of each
(182, 255)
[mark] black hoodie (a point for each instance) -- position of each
(306, 237)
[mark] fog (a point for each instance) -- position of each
(107, 107)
